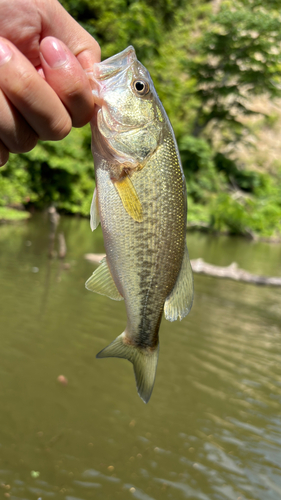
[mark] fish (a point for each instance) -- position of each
(140, 200)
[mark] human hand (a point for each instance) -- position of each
(44, 89)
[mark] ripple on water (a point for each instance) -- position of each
(212, 430)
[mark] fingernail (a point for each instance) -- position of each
(5, 53)
(54, 53)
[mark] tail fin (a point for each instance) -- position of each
(144, 361)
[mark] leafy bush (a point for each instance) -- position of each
(54, 172)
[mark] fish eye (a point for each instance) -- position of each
(141, 87)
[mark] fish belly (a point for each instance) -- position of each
(145, 257)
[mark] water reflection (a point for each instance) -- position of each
(212, 429)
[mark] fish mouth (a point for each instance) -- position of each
(115, 64)
(107, 69)
(103, 71)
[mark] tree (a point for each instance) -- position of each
(239, 56)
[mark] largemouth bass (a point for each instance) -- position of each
(140, 200)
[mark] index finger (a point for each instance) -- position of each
(58, 23)
(31, 95)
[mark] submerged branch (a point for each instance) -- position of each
(232, 272)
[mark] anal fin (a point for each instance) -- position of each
(129, 198)
(179, 302)
(102, 282)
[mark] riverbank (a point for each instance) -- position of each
(8, 215)
(204, 224)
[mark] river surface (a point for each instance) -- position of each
(212, 429)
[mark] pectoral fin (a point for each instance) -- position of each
(179, 302)
(94, 212)
(129, 198)
(102, 282)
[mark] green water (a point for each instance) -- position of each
(212, 429)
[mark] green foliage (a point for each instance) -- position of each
(12, 215)
(119, 23)
(205, 66)
(54, 172)
(238, 56)
(199, 167)
(246, 180)
(246, 216)
(14, 183)
(228, 214)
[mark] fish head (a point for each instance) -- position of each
(130, 118)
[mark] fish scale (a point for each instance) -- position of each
(141, 204)
(150, 275)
